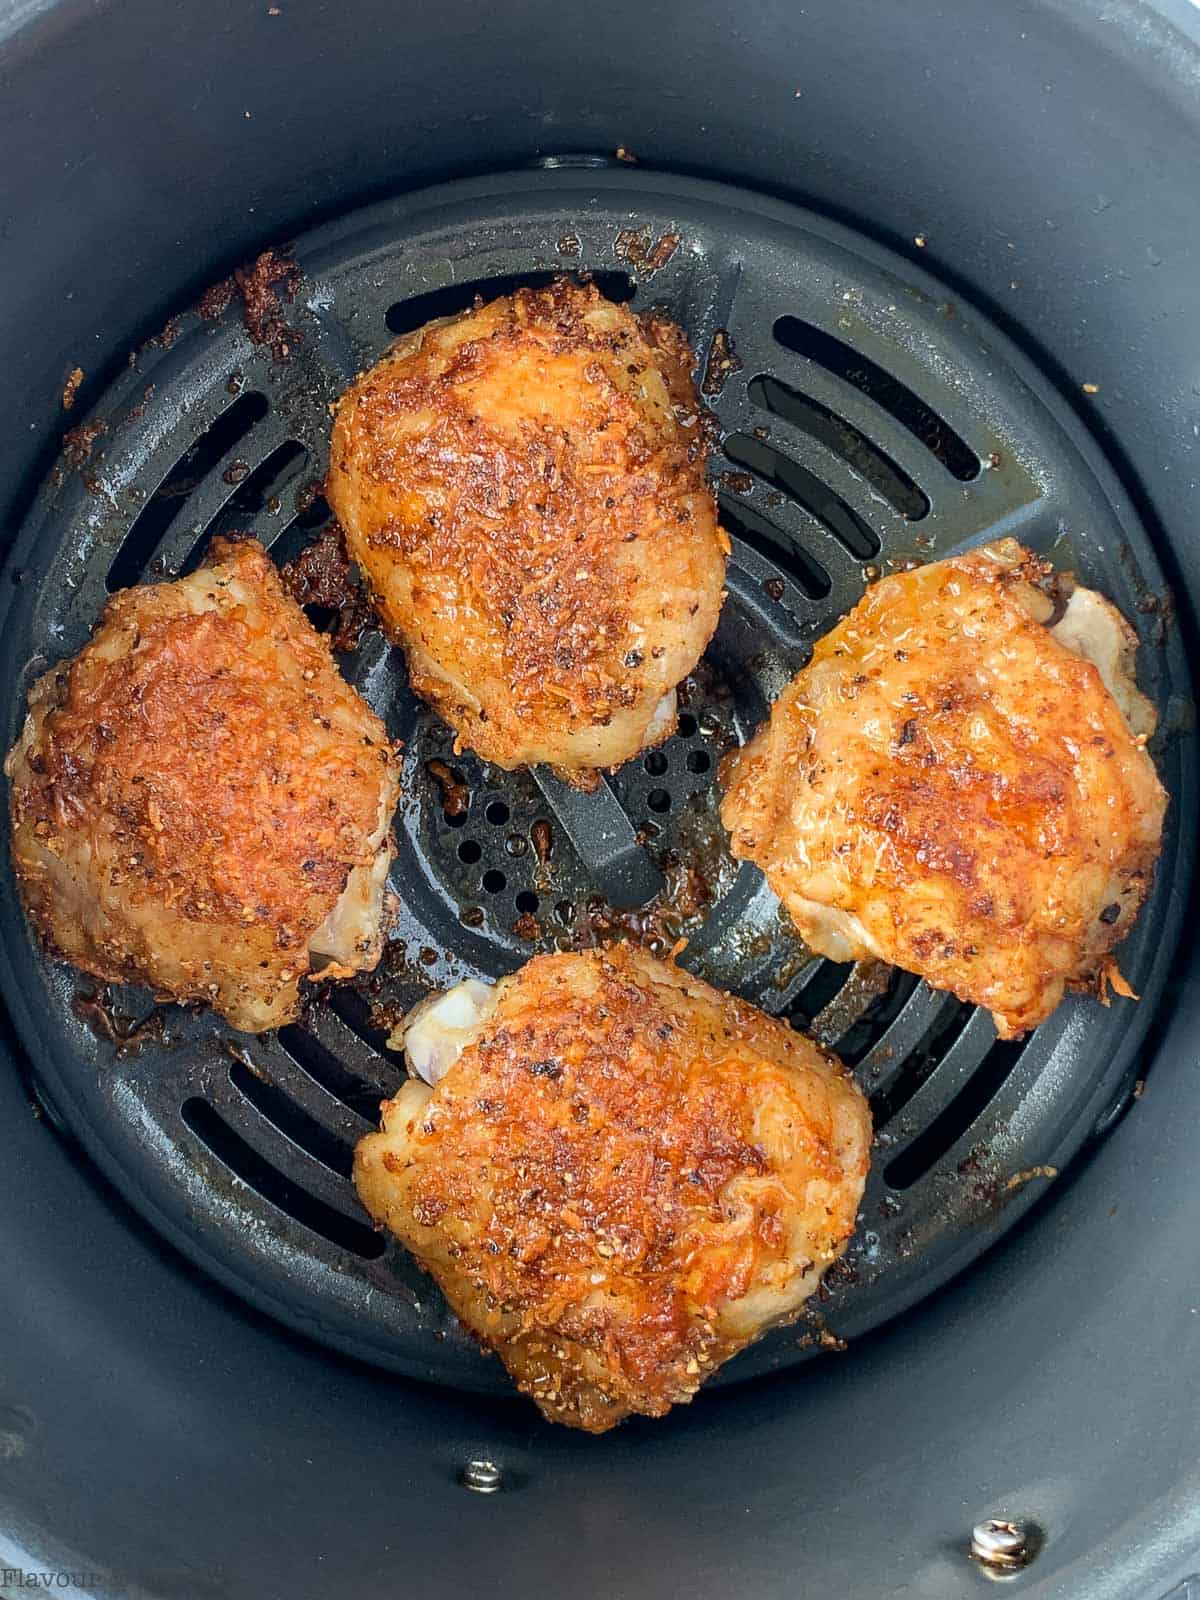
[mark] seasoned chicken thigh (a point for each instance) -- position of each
(523, 488)
(200, 803)
(958, 784)
(621, 1178)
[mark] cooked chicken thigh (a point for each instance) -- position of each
(200, 803)
(622, 1177)
(523, 488)
(959, 784)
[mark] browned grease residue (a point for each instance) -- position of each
(633, 246)
(77, 442)
(323, 575)
(71, 387)
(269, 278)
(456, 797)
(686, 894)
(723, 362)
(130, 1035)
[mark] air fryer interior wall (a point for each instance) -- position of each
(155, 1431)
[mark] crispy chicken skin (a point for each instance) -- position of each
(959, 785)
(523, 488)
(200, 802)
(623, 1178)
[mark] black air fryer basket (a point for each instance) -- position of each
(942, 274)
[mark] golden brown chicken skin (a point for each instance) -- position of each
(523, 488)
(623, 1178)
(200, 802)
(958, 783)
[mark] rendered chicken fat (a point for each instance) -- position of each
(523, 487)
(662, 724)
(957, 784)
(622, 1176)
(436, 1031)
(200, 803)
(1092, 627)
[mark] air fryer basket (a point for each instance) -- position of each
(1035, 172)
(865, 421)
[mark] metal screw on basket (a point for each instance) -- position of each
(1000, 1546)
(485, 1477)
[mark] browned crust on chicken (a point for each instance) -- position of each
(193, 789)
(947, 787)
(623, 1181)
(523, 487)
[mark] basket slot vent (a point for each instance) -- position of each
(983, 1070)
(278, 1107)
(254, 1170)
(141, 543)
(910, 1017)
(950, 1020)
(355, 1012)
(355, 1092)
(775, 546)
(873, 465)
(804, 487)
(405, 316)
(260, 495)
(892, 396)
